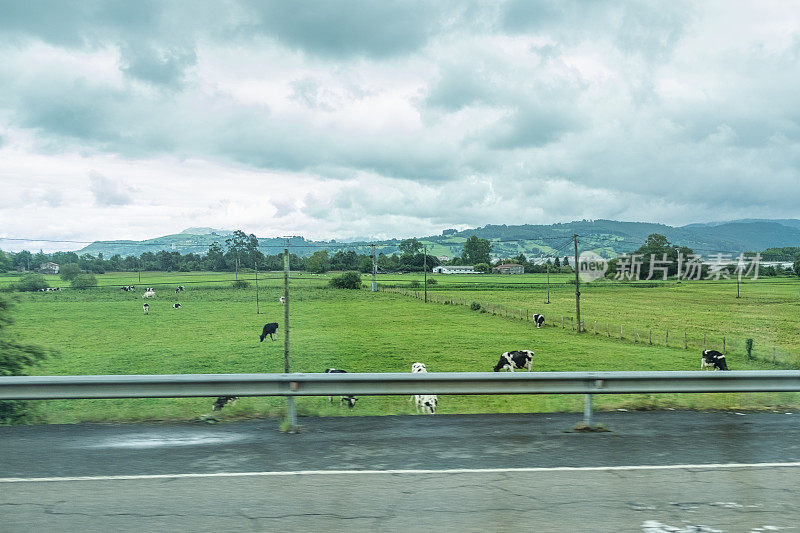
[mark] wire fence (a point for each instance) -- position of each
(685, 338)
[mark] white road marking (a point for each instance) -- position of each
(399, 471)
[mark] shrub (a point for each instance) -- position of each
(475, 306)
(31, 283)
(482, 267)
(415, 284)
(240, 284)
(432, 281)
(84, 281)
(348, 280)
(69, 271)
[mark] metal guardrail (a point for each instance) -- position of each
(195, 385)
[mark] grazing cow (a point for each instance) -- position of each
(176, 306)
(426, 403)
(515, 359)
(269, 329)
(539, 320)
(149, 293)
(180, 288)
(349, 400)
(146, 308)
(714, 359)
(128, 288)
(222, 401)
(282, 299)
(418, 368)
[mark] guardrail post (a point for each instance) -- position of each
(587, 410)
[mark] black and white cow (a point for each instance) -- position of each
(714, 359)
(222, 401)
(149, 293)
(418, 368)
(348, 400)
(128, 288)
(426, 403)
(180, 288)
(146, 308)
(282, 300)
(538, 320)
(269, 329)
(515, 359)
(176, 306)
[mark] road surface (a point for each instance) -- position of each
(652, 472)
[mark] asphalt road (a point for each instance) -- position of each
(653, 471)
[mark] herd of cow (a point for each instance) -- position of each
(424, 403)
(150, 292)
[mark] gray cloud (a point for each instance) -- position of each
(350, 27)
(108, 192)
(159, 66)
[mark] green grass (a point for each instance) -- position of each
(103, 331)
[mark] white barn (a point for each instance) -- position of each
(455, 269)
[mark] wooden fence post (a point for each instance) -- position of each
(620, 331)
(773, 355)
(562, 322)
(685, 344)
(595, 327)
(651, 336)
(608, 333)
(724, 350)
(666, 340)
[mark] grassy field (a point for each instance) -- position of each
(103, 331)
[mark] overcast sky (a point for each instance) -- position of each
(362, 119)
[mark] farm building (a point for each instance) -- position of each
(455, 269)
(509, 268)
(48, 268)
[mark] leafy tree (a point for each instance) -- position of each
(410, 247)
(319, 262)
(348, 280)
(215, 260)
(15, 358)
(557, 263)
(797, 264)
(23, 260)
(69, 271)
(31, 283)
(476, 250)
(84, 281)
(6, 262)
(482, 267)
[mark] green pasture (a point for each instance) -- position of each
(104, 331)
(701, 312)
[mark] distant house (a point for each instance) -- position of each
(48, 268)
(509, 268)
(455, 269)
(444, 258)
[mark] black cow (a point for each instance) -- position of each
(538, 319)
(714, 359)
(222, 401)
(269, 329)
(180, 288)
(515, 359)
(349, 400)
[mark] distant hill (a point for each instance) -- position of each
(609, 238)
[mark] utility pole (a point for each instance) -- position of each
(291, 413)
(425, 269)
(374, 269)
(577, 287)
(548, 280)
(256, 265)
